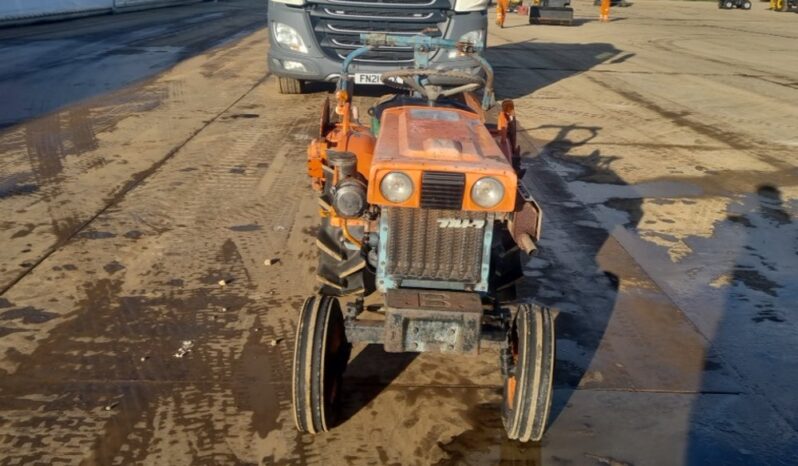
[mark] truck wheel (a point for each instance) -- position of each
(290, 86)
(746, 5)
(320, 356)
(528, 384)
(728, 5)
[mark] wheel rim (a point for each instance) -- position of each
(511, 382)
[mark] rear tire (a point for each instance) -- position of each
(746, 5)
(290, 86)
(528, 387)
(342, 271)
(321, 353)
(505, 266)
(728, 5)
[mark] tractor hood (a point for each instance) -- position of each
(415, 140)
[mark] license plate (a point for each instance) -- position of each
(368, 78)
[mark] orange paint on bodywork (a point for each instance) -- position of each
(316, 151)
(417, 139)
(358, 140)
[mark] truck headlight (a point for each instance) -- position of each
(396, 187)
(471, 5)
(291, 2)
(476, 37)
(487, 192)
(287, 36)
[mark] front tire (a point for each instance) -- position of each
(746, 5)
(290, 85)
(528, 385)
(321, 353)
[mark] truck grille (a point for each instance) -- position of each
(442, 190)
(435, 244)
(338, 24)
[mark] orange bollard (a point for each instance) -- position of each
(604, 15)
(501, 11)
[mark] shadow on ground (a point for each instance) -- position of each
(757, 324)
(522, 68)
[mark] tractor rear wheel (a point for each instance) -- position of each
(505, 266)
(342, 271)
(290, 85)
(528, 385)
(321, 353)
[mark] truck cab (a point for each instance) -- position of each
(311, 38)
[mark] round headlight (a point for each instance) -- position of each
(396, 187)
(487, 192)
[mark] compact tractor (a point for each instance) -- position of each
(424, 222)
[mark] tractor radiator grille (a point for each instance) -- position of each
(435, 244)
(442, 190)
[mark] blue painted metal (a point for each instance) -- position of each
(344, 79)
(384, 282)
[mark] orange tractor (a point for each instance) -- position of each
(424, 213)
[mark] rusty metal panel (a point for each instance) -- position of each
(528, 216)
(421, 320)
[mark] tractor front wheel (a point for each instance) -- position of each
(321, 353)
(528, 383)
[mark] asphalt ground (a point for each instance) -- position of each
(145, 157)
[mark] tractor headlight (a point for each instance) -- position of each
(287, 36)
(476, 37)
(396, 187)
(487, 192)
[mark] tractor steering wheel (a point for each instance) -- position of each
(405, 79)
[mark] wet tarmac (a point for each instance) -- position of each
(146, 157)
